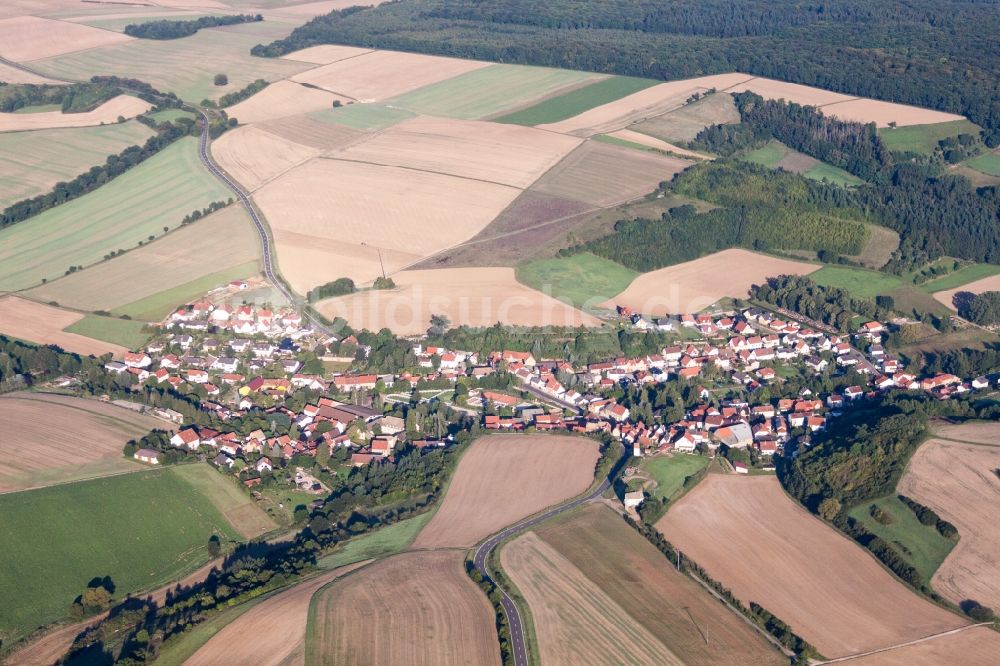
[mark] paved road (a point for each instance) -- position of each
(244, 198)
(484, 550)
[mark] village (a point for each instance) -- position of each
(240, 360)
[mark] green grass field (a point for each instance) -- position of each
(921, 545)
(835, 175)
(772, 153)
(139, 203)
(157, 306)
(185, 66)
(239, 509)
(142, 529)
(924, 139)
(31, 163)
(124, 332)
(768, 155)
(368, 117)
(39, 108)
(961, 277)
(577, 101)
(386, 541)
(578, 279)
(861, 282)
(988, 164)
(490, 90)
(168, 115)
(671, 472)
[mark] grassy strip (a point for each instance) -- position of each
(579, 279)
(577, 101)
(961, 277)
(386, 541)
(125, 332)
(988, 164)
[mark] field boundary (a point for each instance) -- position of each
(907, 644)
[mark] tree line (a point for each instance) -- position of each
(229, 99)
(170, 29)
(901, 52)
(73, 98)
(830, 305)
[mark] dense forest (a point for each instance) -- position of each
(938, 54)
(169, 29)
(982, 309)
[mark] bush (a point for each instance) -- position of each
(339, 287)
(221, 80)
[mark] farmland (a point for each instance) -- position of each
(254, 156)
(601, 174)
(33, 162)
(329, 207)
(311, 130)
(683, 124)
(122, 332)
(379, 75)
(923, 139)
(946, 297)
(504, 478)
(324, 54)
(577, 279)
(122, 106)
(279, 100)
(977, 646)
(694, 285)
(577, 101)
(438, 617)
(965, 496)
(182, 66)
(776, 155)
(491, 90)
(831, 592)
(385, 541)
(669, 472)
(364, 116)
(270, 633)
(860, 282)
(473, 296)
(33, 447)
(961, 277)
(45, 324)
(988, 164)
(154, 527)
(236, 506)
(139, 203)
(592, 562)
(30, 38)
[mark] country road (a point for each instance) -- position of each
(518, 642)
(244, 198)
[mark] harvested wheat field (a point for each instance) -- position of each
(504, 478)
(10, 74)
(225, 240)
(694, 285)
(947, 297)
(960, 482)
(503, 154)
(827, 588)
(338, 204)
(972, 432)
(790, 92)
(121, 106)
(653, 142)
(382, 74)
(413, 608)
(589, 561)
(35, 450)
(468, 296)
(575, 621)
(602, 174)
(310, 9)
(272, 632)
(685, 123)
(324, 54)
(31, 38)
(254, 156)
(975, 646)
(308, 131)
(883, 113)
(641, 105)
(44, 324)
(279, 100)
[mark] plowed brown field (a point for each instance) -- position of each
(419, 609)
(503, 478)
(44, 324)
(960, 482)
(36, 449)
(752, 537)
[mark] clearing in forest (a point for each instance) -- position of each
(46, 324)
(591, 580)
(961, 484)
(831, 592)
(137, 204)
(472, 296)
(34, 449)
(694, 285)
(504, 478)
(225, 240)
(426, 608)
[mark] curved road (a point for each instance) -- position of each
(518, 642)
(244, 198)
